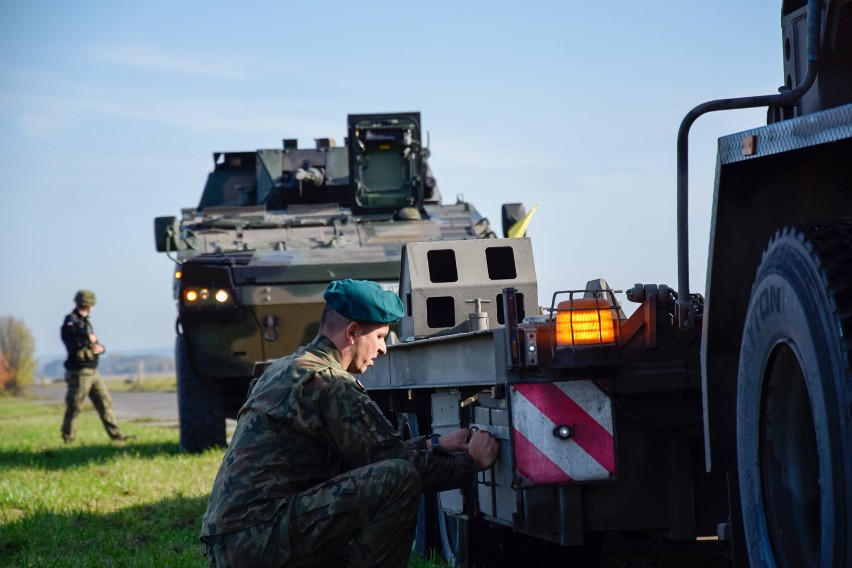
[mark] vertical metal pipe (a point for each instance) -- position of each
(785, 97)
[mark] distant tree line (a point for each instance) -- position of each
(18, 362)
(17, 356)
(117, 364)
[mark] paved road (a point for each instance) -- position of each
(160, 407)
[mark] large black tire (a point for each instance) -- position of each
(425, 539)
(201, 409)
(794, 429)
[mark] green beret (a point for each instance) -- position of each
(363, 301)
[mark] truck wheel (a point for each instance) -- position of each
(201, 412)
(424, 540)
(453, 537)
(794, 429)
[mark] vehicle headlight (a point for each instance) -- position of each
(198, 297)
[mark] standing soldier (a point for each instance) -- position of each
(81, 372)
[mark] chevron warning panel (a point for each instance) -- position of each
(542, 456)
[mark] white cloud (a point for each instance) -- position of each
(155, 59)
(41, 116)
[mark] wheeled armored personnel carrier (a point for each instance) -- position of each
(272, 228)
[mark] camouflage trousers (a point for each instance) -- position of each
(83, 383)
(365, 517)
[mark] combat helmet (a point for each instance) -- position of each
(84, 298)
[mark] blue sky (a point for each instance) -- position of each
(110, 111)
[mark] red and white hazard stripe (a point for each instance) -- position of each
(543, 458)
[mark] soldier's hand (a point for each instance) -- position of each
(454, 441)
(483, 448)
(97, 348)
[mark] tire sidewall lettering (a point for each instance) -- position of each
(782, 312)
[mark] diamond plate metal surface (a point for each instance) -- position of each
(794, 134)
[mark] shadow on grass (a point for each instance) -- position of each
(74, 456)
(164, 533)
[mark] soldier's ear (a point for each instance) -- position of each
(353, 329)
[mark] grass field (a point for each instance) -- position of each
(123, 383)
(149, 384)
(94, 503)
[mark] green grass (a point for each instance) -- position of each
(166, 383)
(93, 503)
(151, 383)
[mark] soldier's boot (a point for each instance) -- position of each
(124, 438)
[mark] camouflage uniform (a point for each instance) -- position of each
(81, 375)
(315, 475)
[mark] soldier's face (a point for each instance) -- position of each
(369, 343)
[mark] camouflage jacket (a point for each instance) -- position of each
(308, 420)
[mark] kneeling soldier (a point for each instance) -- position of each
(315, 475)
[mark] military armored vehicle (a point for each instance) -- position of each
(271, 229)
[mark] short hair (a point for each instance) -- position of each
(333, 319)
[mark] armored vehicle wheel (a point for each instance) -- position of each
(794, 428)
(201, 412)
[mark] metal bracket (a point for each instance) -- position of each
(270, 327)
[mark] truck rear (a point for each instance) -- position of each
(599, 415)
(728, 419)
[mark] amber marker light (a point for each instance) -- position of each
(583, 322)
(221, 296)
(178, 274)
